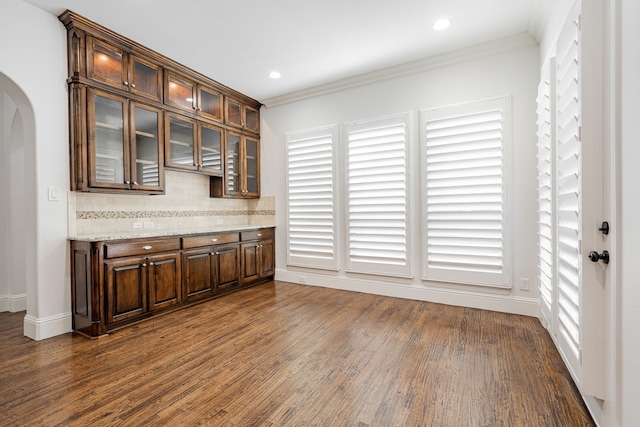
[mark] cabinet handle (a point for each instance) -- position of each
(147, 247)
(214, 240)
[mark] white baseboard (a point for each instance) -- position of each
(47, 327)
(485, 301)
(13, 303)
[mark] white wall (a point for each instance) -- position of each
(33, 73)
(467, 76)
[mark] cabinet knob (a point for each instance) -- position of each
(133, 85)
(144, 265)
(214, 240)
(147, 247)
(151, 263)
(126, 83)
(259, 234)
(135, 183)
(127, 182)
(211, 253)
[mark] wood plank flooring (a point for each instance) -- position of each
(281, 354)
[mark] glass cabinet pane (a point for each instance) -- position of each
(147, 160)
(211, 103)
(180, 92)
(233, 114)
(252, 119)
(233, 163)
(211, 148)
(107, 63)
(145, 78)
(251, 154)
(109, 140)
(181, 137)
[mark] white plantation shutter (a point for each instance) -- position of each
(568, 198)
(311, 209)
(377, 196)
(465, 194)
(546, 250)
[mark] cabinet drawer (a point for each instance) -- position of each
(141, 247)
(209, 239)
(263, 233)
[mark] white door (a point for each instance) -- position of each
(571, 199)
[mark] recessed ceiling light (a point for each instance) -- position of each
(275, 75)
(442, 24)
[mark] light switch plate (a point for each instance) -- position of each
(54, 194)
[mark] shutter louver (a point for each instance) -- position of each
(568, 198)
(465, 195)
(377, 196)
(311, 217)
(546, 251)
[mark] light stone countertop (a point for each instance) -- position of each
(100, 237)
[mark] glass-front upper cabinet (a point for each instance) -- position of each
(147, 156)
(211, 156)
(123, 144)
(180, 92)
(252, 167)
(209, 103)
(241, 116)
(243, 166)
(194, 97)
(180, 142)
(114, 66)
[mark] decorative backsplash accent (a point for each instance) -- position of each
(167, 214)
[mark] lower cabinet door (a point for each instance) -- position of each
(227, 267)
(164, 275)
(267, 264)
(198, 279)
(250, 260)
(126, 289)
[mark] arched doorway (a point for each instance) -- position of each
(18, 283)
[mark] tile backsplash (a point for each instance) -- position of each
(185, 206)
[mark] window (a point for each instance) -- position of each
(465, 207)
(376, 192)
(311, 210)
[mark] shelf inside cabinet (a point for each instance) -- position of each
(108, 126)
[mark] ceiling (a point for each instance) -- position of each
(310, 42)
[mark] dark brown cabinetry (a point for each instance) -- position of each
(113, 80)
(115, 283)
(257, 254)
(243, 166)
(124, 151)
(193, 145)
(118, 68)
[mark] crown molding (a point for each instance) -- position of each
(507, 44)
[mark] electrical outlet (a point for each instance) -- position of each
(524, 284)
(302, 279)
(149, 224)
(137, 224)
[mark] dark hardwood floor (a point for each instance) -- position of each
(281, 354)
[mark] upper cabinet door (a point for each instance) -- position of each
(108, 141)
(180, 142)
(180, 92)
(107, 63)
(145, 78)
(251, 119)
(147, 154)
(115, 67)
(210, 103)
